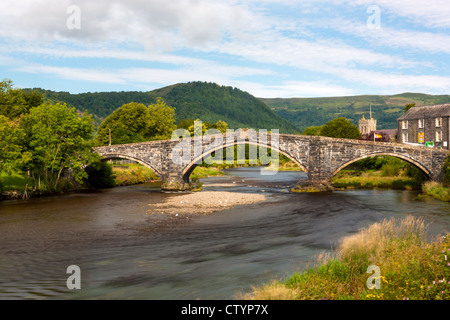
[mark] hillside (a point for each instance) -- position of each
(306, 112)
(208, 102)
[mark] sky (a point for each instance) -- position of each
(269, 48)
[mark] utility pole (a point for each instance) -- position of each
(109, 136)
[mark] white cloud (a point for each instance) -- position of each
(187, 40)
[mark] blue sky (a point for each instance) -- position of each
(270, 48)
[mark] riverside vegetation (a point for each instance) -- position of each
(411, 268)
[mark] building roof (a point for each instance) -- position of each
(389, 132)
(437, 110)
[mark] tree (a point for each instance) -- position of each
(341, 128)
(11, 137)
(312, 131)
(16, 102)
(134, 122)
(58, 138)
(409, 106)
(162, 121)
(12, 102)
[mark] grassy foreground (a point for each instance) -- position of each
(410, 268)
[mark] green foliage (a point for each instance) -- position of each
(409, 106)
(206, 101)
(340, 128)
(12, 157)
(313, 131)
(134, 122)
(211, 103)
(446, 179)
(436, 190)
(16, 102)
(58, 139)
(195, 130)
(133, 174)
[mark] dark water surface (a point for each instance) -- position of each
(123, 253)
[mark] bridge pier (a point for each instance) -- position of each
(174, 183)
(323, 185)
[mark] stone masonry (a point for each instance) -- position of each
(320, 157)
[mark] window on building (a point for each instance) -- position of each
(438, 136)
(438, 122)
(421, 121)
(404, 124)
(405, 137)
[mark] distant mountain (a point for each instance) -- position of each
(307, 112)
(208, 102)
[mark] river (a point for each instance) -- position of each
(122, 255)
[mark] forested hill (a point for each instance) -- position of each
(208, 102)
(307, 112)
(211, 102)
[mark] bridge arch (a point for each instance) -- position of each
(110, 156)
(400, 156)
(191, 166)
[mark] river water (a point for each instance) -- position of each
(123, 253)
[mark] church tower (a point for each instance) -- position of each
(366, 126)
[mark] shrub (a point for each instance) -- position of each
(446, 179)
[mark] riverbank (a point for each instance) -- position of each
(410, 268)
(204, 203)
(350, 179)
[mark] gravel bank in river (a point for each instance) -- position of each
(204, 202)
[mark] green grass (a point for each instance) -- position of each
(133, 174)
(410, 267)
(205, 172)
(374, 179)
(436, 190)
(15, 181)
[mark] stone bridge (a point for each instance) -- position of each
(320, 157)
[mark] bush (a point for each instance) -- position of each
(446, 179)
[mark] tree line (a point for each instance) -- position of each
(45, 140)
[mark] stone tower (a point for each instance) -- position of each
(366, 126)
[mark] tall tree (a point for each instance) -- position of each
(58, 138)
(340, 128)
(12, 157)
(16, 102)
(134, 122)
(12, 102)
